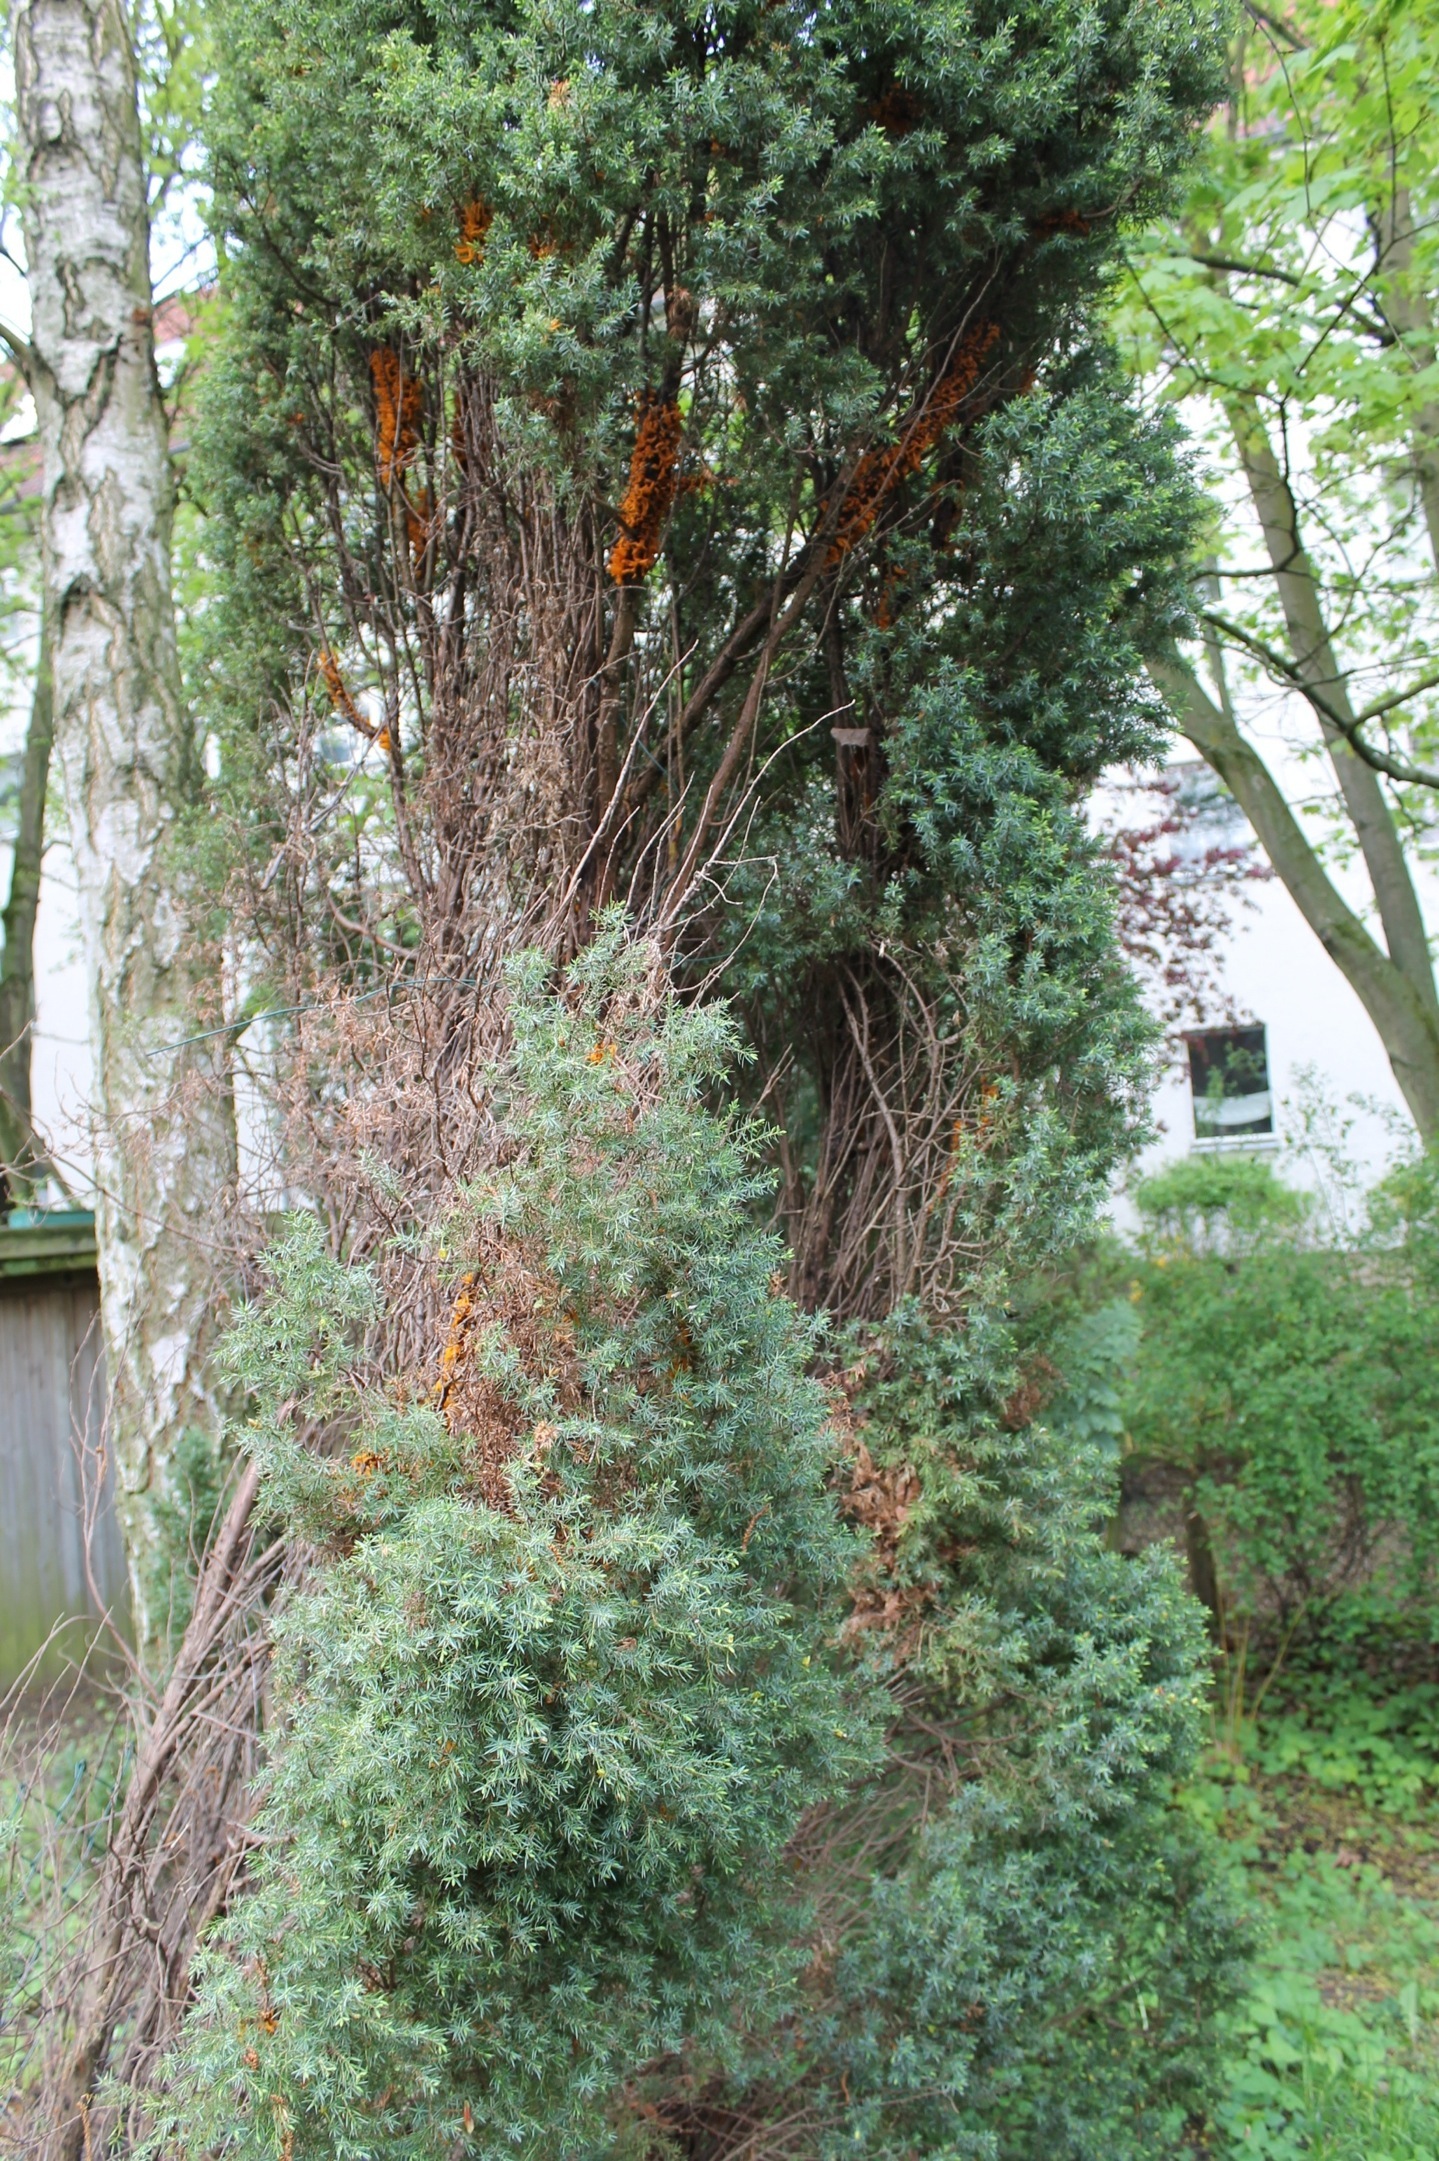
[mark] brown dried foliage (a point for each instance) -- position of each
(509, 1293)
(880, 1498)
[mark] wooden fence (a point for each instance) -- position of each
(52, 1396)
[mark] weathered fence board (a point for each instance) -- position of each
(51, 1406)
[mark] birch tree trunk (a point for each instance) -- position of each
(163, 1121)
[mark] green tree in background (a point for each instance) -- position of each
(1288, 307)
(1288, 1371)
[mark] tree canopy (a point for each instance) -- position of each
(1287, 307)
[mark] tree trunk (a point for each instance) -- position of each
(21, 1157)
(164, 1147)
(1314, 658)
(1406, 1021)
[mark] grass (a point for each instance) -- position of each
(1330, 1807)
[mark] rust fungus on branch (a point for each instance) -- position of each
(457, 1344)
(476, 218)
(649, 498)
(421, 524)
(399, 406)
(880, 472)
(340, 697)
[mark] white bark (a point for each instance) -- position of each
(164, 1134)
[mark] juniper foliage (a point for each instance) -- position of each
(1039, 1957)
(582, 1832)
(557, 1699)
(613, 402)
(667, 452)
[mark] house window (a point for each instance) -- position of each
(1229, 1079)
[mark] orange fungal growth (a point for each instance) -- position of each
(649, 498)
(457, 1343)
(880, 472)
(399, 405)
(476, 218)
(340, 697)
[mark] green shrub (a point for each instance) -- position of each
(1041, 1957)
(1295, 1382)
(555, 1701)
(581, 1831)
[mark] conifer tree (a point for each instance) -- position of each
(664, 453)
